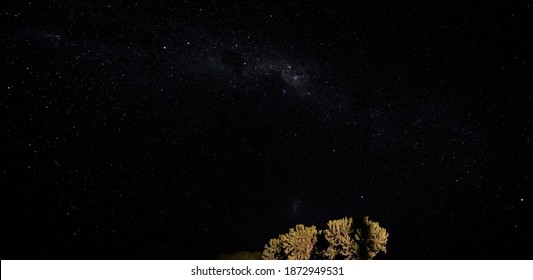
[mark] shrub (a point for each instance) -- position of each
(342, 239)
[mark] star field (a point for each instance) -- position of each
(137, 130)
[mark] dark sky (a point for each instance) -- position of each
(138, 130)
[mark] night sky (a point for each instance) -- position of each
(140, 130)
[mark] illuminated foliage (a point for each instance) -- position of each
(339, 235)
(274, 250)
(371, 238)
(299, 243)
(342, 240)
